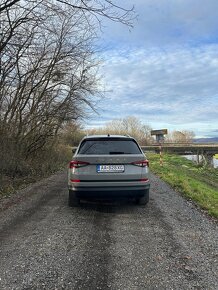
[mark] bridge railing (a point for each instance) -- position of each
(169, 144)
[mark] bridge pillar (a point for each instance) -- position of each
(208, 157)
(198, 157)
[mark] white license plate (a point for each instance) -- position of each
(110, 168)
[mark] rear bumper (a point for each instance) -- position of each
(110, 191)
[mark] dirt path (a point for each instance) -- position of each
(44, 244)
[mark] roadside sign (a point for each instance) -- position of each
(159, 132)
(160, 139)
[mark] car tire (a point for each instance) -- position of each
(73, 200)
(143, 200)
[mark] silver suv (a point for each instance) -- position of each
(108, 166)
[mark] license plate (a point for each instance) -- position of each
(110, 168)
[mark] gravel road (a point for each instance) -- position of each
(44, 244)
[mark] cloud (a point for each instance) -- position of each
(166, 22)
(174, 88)
(165, 70)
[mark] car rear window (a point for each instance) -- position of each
(108, 147)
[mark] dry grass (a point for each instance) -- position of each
(48, 161)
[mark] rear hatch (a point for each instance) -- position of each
(109, 159)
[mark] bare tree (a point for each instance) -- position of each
(7, 4)
(52, 80)
(103, 8)
(29, 9)
(184, 136)
(129, 125)
(48, 68)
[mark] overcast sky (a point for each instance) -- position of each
(165, 71)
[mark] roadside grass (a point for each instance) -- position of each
(197, 183)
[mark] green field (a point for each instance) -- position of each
(195, 182)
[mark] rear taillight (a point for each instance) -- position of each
(141, 163)
(77, 164)
(144, 180)
(75, 180)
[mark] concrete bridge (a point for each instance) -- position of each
(205, 151)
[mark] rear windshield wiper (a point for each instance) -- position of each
(117, 152)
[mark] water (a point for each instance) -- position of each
(194, 158)
(215, 163)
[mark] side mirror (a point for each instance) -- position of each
(74, 150)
